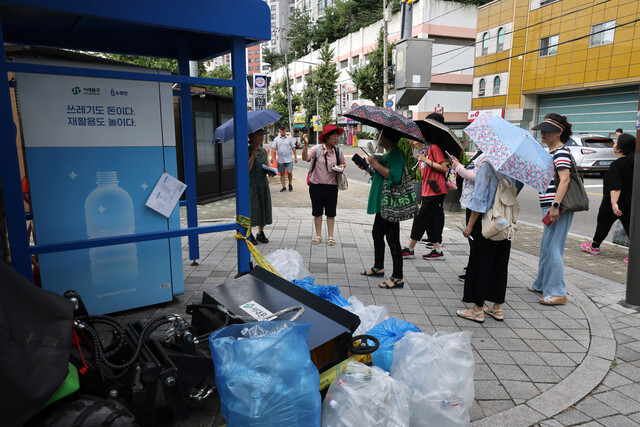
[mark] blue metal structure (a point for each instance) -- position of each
(195, 30)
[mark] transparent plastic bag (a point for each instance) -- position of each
(439, 371)
(264, 374)
(329, 292)
(364, 395)
(369, 315)
(389, 332)
(289, 263)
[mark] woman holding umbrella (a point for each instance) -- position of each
(259, 193)
(555, 131)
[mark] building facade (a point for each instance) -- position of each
(577, 58)
(450, 25)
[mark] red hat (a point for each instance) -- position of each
(328, 129)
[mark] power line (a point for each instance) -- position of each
(537, 50)
(523, 28)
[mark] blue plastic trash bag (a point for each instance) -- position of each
(265, 376)
(329, 292)
(389, 332)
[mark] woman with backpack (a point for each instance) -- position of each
(326, 162)
(487, 270)
(555, 131)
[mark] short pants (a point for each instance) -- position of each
(285, 166)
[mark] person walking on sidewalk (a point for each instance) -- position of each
(616, 201)
(326, 162)
(555, 131)
(259, 193)
(391, 168)
(487, 271)
(285, 148)
(430, 217)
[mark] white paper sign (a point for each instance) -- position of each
(255, 310)
(165, 195)
(416, 78)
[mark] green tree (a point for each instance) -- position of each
(300, 34)
(309, 99)
(329, 28)
(325, 78)
(280, 103)
(220, 72)
(368, 78)
(274, 59)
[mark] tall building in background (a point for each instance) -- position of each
(314, 8)
(280, 12)
(580, 59)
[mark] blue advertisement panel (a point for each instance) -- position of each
(95, 149)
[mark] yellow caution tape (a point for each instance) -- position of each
(243, 221)
(327, 377)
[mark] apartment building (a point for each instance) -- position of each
(577, 58)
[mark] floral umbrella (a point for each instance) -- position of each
(512, 151)
(383, 117)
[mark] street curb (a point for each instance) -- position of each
(577, 385)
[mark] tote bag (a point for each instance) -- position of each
(399, 202)
(576, 199)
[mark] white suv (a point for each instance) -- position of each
(592, 153)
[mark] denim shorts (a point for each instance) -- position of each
(285, 166)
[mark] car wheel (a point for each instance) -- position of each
(87, 411)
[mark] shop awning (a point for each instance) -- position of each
(299, 126)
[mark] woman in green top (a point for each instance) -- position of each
(389, 168)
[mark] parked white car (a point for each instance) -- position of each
(592, 153)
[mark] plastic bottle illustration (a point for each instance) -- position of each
(109, 212)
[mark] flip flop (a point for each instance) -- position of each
(373, 272)
(551, 300)
(396, 284)
(331, 241)
(530, 289)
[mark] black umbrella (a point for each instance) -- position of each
(439, 134)
(383, 117)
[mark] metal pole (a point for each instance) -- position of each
(632, 299)
(286, 62)
(385, 77)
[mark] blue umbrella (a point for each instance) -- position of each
(256, 120)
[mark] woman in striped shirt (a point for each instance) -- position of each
(555, 131)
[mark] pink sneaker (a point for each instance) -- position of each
(626, 260)
(590, 249)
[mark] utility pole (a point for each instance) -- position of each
(286, 63)
(385, 77)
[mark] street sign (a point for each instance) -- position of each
(390, 103)
(259, 91)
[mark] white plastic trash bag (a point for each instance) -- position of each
(364, 395)
(369, 315)
(289, 263)
(439, 371)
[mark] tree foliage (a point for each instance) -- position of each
(280, 102)
(300, 34)
(274, 59)
(325, 77)
(368, 78)
(310, 98)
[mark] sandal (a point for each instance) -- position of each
(496, 314)
(331, 241)
(530, 289)
(395, 283)
(375, 272)
(471, 314)
(550, 300)
(316, 240)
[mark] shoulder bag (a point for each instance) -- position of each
(399, 202)
(341, 178)
(576, 199)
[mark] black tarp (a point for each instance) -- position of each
(35, 339)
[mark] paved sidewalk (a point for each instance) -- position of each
(563, 365)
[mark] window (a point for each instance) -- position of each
(500, 45)
(250, 60)
(485, 43)
(344, 64)
(602, 33)
(496, 85)
(549, 46)
(481, 86)
(355, 60)
(250, 68)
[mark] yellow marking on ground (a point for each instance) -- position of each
(595, 194)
